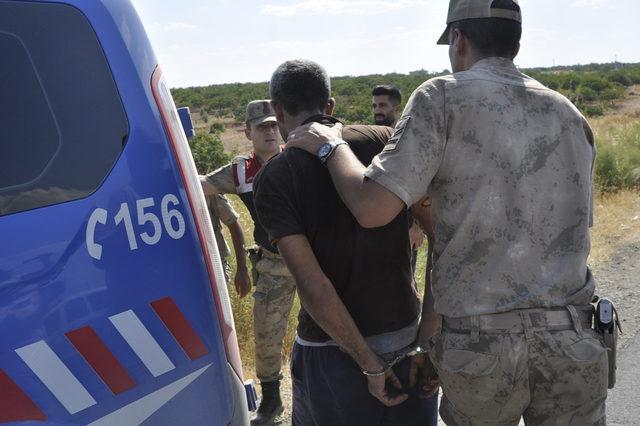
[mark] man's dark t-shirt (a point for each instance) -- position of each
(369, 268)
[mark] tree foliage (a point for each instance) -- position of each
(208, 152)
(591, 87)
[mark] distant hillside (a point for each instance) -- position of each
(591, 87)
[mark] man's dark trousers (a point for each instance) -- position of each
(330, 389)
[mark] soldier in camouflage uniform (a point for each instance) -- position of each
(508, 164)
(221, 211)
(275, 287)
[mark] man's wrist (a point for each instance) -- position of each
(327, 149)
(375, 373)
(372, 364)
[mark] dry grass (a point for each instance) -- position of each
(617, 214)
(609, 126)
(616, 222)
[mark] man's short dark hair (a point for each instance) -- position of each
(300, 85)
(493, 36)
(393, 92)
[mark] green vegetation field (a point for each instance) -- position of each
(592, 87)
(598, 90)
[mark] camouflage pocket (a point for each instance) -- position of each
(274, 267)
(479, 378)
(586, 350)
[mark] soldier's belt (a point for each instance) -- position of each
(520, 320)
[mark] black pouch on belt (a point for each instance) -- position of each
(607, 324)
(255, 254)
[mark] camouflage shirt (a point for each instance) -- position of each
(508, 164)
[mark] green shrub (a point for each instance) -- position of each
(208, 152)
(618, 158)
(217, 127)
(592, 110)
(587, 94)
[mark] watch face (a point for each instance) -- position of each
(324, 150)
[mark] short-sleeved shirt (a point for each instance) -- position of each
(508, 165)
(221, 211)
(237, 178)
(369, 268)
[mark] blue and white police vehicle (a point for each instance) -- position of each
(113, 303)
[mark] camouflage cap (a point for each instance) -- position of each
(471, 9)
(259, 112)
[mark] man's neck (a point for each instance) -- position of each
(293, 122)
(475, 59)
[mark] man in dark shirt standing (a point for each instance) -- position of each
(359, 308)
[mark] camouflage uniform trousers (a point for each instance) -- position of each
(546, 377)
(273, 299)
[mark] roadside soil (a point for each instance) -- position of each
(618, 279)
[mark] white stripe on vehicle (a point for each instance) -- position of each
(140, 410)
(142, 343)
(56, 376)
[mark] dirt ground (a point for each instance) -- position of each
(630, 105)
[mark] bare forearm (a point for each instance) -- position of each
(321, 301)
(237, 239)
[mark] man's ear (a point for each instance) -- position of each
(247, 132)
(330, 106)
(458, 41)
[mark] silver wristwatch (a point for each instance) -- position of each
(327, 149)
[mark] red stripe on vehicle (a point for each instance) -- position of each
(100, 358)
(180, 328)
(15, 405)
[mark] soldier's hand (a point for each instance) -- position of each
(423, 376)
(242, 282)
(387, 388)
(310, 137)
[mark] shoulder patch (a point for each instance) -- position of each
(396, 137)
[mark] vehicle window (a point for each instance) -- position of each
(62, 122)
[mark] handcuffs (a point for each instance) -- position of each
(409, 352)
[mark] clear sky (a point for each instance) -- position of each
(202, 42)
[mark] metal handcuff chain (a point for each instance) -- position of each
(411, 351)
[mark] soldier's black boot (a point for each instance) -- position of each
(270, 405)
